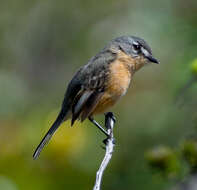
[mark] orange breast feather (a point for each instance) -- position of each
(117, 84)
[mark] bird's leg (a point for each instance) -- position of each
(109, 117)
(98, 126)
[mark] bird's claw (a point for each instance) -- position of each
(106, 140)
(110, 115)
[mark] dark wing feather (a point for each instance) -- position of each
(93, 76)
(91, 104)
(78, 107)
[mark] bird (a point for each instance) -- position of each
(100, 83)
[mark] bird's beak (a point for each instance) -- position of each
(149, 56)
(152, 59)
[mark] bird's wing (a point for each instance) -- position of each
(93, 76)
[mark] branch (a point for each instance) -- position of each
(110, 142)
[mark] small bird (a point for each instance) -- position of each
(99, 84)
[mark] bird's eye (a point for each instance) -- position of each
(136, 46)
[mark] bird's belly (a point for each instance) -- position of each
(105, 103)
(117, 85)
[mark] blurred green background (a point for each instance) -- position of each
(42, 44)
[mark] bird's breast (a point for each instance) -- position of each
(119, 79)
(117, 84)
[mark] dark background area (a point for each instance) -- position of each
(43, 43)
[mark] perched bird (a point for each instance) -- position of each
(100, 83)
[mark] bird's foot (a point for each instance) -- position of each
(105, 141)
(109, 122)
(109, 116)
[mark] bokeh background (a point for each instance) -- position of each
(43, 43)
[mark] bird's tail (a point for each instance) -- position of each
(51, 131)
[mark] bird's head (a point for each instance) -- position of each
(137, 49)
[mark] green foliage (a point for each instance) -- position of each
(194, 66)
(165, 160)
(189, 149)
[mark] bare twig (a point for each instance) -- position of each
(110, 142)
